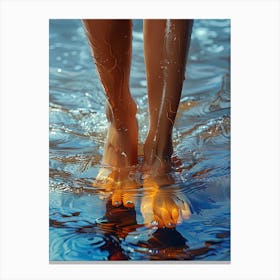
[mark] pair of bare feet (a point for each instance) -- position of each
(160, 206)
(166, 44)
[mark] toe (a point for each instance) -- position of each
(167, 220)
(128, 201)
(158, 221)
(175, 215)
(117, 198)
(129, 192)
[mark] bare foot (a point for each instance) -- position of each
(119, 160)
(117, 184)
(163, 205)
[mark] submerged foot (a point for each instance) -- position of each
(120, 157)
(163, 205)
(118, 185)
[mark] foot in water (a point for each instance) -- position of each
(163, 204)
(120, 157)
(119, 185)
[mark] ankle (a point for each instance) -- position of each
(158, 167)
(121, 147)
(157, 146)
(122, 117)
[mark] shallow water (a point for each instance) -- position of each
(84, 227)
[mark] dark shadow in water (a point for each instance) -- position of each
(164, 244)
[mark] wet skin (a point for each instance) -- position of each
(163, 205)
(166, 44)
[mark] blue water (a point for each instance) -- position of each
(84, 227)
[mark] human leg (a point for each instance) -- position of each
(166, 44)
(110, 42)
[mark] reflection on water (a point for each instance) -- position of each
(83, 224)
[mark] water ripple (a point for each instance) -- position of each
(85, 227)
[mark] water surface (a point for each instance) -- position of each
(85, 228)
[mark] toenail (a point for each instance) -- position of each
(154, 223)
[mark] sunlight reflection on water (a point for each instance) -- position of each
(84, 227)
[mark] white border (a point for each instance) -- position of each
(255, 138)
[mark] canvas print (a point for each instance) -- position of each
(139, 140)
